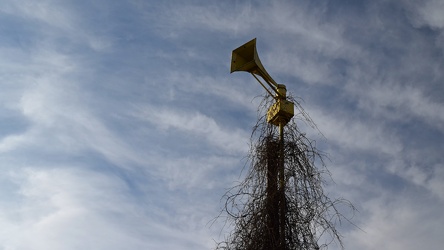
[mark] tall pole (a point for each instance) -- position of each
(282, 200)
(273, 197)
(281, 179)
(245, 58)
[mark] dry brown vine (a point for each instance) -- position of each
(306, 215)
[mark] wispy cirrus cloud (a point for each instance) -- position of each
(57, 212)
(197, 125)
(54, 20)
(121, 126)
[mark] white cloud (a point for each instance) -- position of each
(66, 207)
(398, 222)
(393, 101)
(57, 208)
(356, 134)
(194, 172)
(93, 164)
(427, 13)
(233, 91)
(62, 122)
(55, 19)
(198, 125)
(420, 173)
(177, 19)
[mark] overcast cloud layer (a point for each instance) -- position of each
(121, 127)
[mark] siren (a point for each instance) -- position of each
(245, 58)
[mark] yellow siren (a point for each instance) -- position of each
(245, 58)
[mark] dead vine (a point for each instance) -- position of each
(262, 212)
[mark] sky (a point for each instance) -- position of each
(121, 126)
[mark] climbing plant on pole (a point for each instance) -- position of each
(309, 217)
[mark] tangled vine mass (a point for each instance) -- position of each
(270, 212)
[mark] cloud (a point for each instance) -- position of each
(67, 208)
(396, 218)
(356, 134)
(426, 13)
(55, 20)
(122, 127)
(57, 119)
(57, 203)
(420, 172)
(181, 18)
(198, 125)
(393, 101)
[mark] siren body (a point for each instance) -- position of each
(245, 58)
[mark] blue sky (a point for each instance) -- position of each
(121, 127)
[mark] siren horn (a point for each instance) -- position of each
(245, 58)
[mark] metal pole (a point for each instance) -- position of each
(245, 58)
(273, 196)
(282, 200)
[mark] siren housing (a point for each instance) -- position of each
(245, 58)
